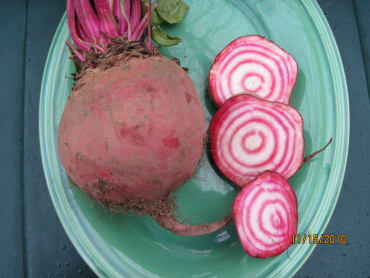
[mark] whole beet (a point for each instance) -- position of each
(133, 127)
(132, 134)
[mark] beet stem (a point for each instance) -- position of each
(84, 46)
(150, 26)
(88, 19)
(126, 8)
(135, 14)
(306, 159)
(142, 26)
(140, 29)
(106, 20)
(122, 23)
(82, 33)
(93, 25)
(76, 52)
(110, 3)
(126, 16)
(112, 39)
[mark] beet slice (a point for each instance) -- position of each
(256, 65)
(266, 216)
(250, 135)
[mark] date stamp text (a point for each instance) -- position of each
(319, 239)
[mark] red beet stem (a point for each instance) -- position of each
(106, 20)
(140, 28)
(84, 46)
(170, 223)
(88, 19)
(127, 7)
(145, 21)
(82, 32)
(306, 159)
(118, 13)
(76, 52)
(126, 10)
(150, 26)
(266, 215)
(126, 13)
(135, 14)
(92, 27)
(110, 3)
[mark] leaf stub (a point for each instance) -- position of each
(160, 37)
(156, 19)
(168, 11)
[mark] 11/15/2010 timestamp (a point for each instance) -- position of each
(319, 239)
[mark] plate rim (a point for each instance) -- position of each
(340, 83)
(104, 269)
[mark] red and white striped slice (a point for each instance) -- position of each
(256, 65)
(265, 215)
(250, 135)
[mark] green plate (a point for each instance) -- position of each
(116, 245)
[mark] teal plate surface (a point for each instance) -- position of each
(117, 245)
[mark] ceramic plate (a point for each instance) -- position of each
(117, 245)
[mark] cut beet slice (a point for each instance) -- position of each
(250, 135)
(256, 65)
(265, 215)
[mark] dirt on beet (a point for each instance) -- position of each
(119, 50)
(156, 208)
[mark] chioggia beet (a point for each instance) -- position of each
(256, 65)
(133, 127)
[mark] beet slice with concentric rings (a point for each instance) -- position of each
(250, 135)
(265, 215)
(256, 65)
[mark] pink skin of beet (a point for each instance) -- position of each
(256, 65)
(123, 127)
(266, 215)
(250, 135)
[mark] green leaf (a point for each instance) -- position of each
(156, 19)
(160, 37)
(172, 11)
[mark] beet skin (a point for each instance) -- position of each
(134, 130)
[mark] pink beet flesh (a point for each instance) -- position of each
(256, 65)
(265, 215)
(250, 135)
